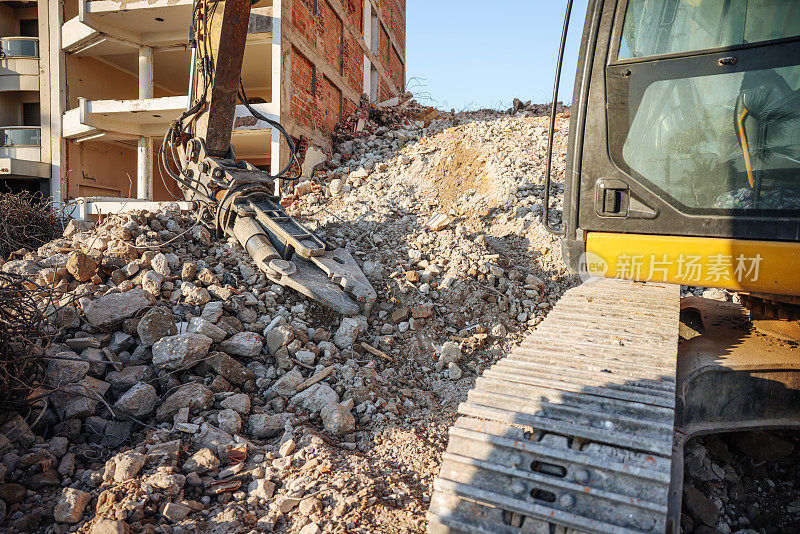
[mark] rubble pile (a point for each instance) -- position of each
(185, 392)
(745, 483)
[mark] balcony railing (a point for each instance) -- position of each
(19, 47)
(19, 136)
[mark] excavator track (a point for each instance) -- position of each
(572, 431)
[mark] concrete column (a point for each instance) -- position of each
(145, 72)
(367, 32)
(277, 82)
(144, 169)
(56, 82)
(144, 152)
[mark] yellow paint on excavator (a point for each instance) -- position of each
(736, 264)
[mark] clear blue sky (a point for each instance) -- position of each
(470, 54)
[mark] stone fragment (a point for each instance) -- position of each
(175, 512)
(81, 266)
(287, 384)
(310, 528)
(279, 337)
(261, 489)
(202, 461)
(181, 351)
(151, 282)
(454, 371)
(129, 376)
(112, 308)
(160, 264)
(139, 401)
(188, 271)
(192, 395)
(104, 525)
(77, 226)
(245, 344)
(198, 325)
(316, 397)
(229, 421)
(264, 426)
(70, 505)
(347, 333)
(337, 419)
(287, 447)
(240, 403)
(451, 353)
(700, 507)
(212, 311)
(233, 371)
(155, 324)
(127, 465)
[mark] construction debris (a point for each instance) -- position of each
(28, 221)
(187, 392)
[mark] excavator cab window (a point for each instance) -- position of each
(727, 137)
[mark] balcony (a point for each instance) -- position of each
(150, 117)
(16, 47)
(107, 27)
(19, 64)
(20, 152)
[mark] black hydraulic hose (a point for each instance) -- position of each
(280, 128)
(546, 208)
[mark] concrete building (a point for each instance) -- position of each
(24, 162)
(111, 74)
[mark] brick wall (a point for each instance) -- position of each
(355, 12)
(329, 107)
(329, 34)
(383, 91)
(303, 18)
(353, 63)
(303, 85)
(317, 100)
(395, 17)
(396, 70)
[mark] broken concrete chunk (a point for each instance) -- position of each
(233, 371)
(337, 419)
(198, 325)
(346, 335)
(114, 307)
(181, 351)
(287, 384)
(155, 324)
(261, 489)
(316, 397)
(70, 505)
(196, 396)
(278, 337)
(81, 266)
(264, 426)
(239, 402)
(202, 461)
(127, 465)
(245, 344)
(139, 401)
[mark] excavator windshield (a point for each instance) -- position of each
(725, 136)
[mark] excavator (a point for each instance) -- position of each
(234, 197)
(683, 168)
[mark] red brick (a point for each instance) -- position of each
(329, 34)
(396, 70)
(353, 64)
(301, 107)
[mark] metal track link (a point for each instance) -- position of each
(572, 431)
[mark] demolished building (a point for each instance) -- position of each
(89, 87)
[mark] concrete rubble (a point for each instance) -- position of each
(191, 394)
